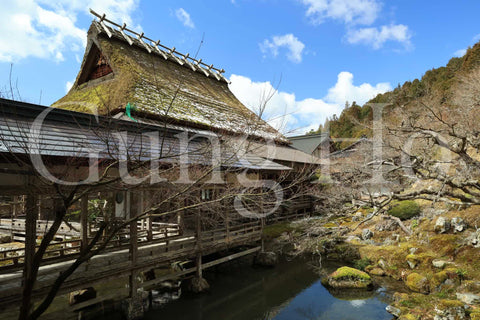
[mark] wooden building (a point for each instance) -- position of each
(128, 87)
(319, 145)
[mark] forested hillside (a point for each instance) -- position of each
(354, 121)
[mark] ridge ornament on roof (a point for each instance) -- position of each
(156, 47)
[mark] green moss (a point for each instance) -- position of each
(347, 273)
(475, 315)
(438, 278)
(404, 209)
(444, 244)
(417, 283)
(446, 304)
(424, 258)
(330, 225)
(361, 264)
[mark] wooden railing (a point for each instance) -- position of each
(169, 235)
(70, 248)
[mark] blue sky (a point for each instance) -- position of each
(317, 53)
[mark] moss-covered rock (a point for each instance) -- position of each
(438, 279)
(376, 271)
(414, 260)
(475, 315)
(418, 283)
(404, 209)
(346, 277)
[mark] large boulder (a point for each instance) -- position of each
(442, 225)
(418, 283)
(346, 277)
(198, 285)
(468, 298)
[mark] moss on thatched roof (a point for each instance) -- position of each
(159, 88)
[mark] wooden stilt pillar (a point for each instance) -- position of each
(84, 221)
(40, 215)
(181, 222)
(198, 263)
(135, 310)
(133, 212)
(30, 243)
(198, 234)
(30, 233)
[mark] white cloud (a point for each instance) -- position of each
(345, 90)
(354, 13)
(347, 11)
(184, 18)
(357, 303)
(289, 41)
(476, 38)
(377, 37)
(68, 86)
(47, 30)
(289, 115)
(460, 53)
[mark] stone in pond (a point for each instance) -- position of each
(346, 277)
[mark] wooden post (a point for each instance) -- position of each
(84, 221)
(133, 211)
(14, 215)
(30, 233)
(30, 243)
(198, 264)
(39, 200)
(198, 234)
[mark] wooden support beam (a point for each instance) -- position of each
(40, 215)
(155, 282)
(30, 233)
(133, 211)
(198, 235)
(84, 221)
(198, 265)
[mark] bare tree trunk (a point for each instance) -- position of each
(31, 276)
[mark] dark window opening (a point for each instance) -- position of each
(100, 69)
(96, 66)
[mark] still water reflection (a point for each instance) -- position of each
(292, 290)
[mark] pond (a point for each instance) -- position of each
(292, 290)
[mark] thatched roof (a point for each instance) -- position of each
(118, 69)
